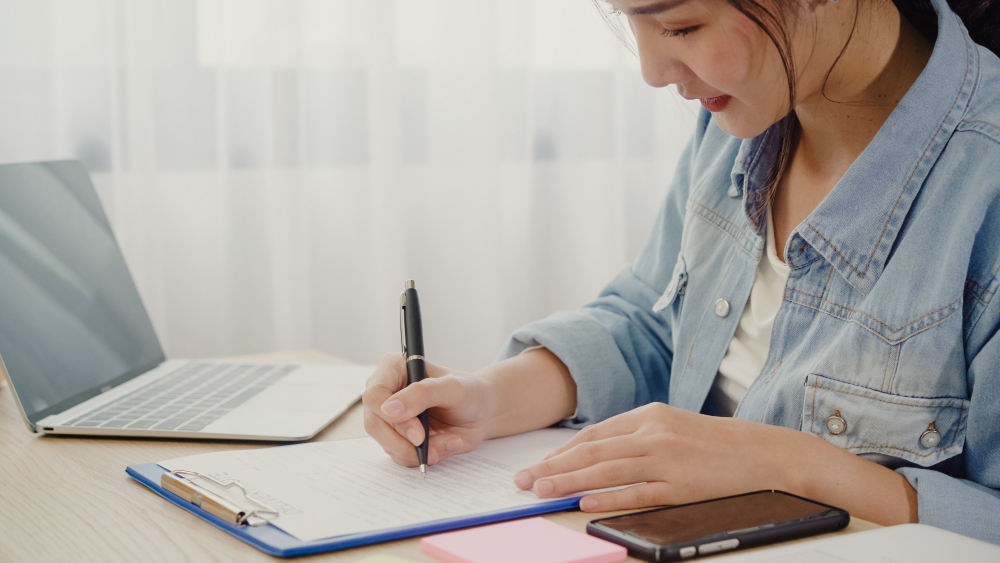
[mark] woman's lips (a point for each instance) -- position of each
(715, 104)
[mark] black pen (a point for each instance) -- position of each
(412, 339)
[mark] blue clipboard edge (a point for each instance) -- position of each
(273, 541)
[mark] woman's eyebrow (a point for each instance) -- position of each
(655, 8)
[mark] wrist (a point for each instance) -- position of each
(821, 471)
(491, 402)
(529, 391)
(804, 461)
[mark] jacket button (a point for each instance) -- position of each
(931, 437)
(836, 424)
(722, 307)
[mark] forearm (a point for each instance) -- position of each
(824, 472)
(531, 390)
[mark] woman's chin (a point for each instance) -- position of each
(739, 121)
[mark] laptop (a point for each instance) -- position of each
(79, 351)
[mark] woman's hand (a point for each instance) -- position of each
(678, 456)
(460, 405)
(531, 390)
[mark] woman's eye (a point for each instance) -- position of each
(679, 32)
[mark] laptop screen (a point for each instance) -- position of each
(71, 321)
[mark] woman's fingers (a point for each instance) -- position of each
(400, 449)
(621, 424)
(447, 444)
(389, 377)
(614, 473)
(407, 403)
(580, 456)
(392, 408)
(440, 447)
(637, 496)
(387, 397)
(390, 439)
(410, 429)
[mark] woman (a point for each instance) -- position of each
(826, 259)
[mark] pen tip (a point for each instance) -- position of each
(423, 470)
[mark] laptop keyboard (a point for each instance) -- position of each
(186, 399)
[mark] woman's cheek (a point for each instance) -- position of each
(748, 67)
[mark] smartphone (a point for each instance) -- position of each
(686, 531)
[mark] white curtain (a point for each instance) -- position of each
(275, 169)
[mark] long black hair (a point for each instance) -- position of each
(981, 17)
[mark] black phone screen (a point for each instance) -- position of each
(689, 522)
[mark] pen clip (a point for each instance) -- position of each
(402, 324)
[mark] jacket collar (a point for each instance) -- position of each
(856, 225)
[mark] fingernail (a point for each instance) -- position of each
(414, 436)
(393, 407)
(588, 504)
(523, 480)
(454, 444)
(544, 487)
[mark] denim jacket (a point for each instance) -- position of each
(888, 320)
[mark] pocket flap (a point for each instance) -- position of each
(678, 281)
(874, 422)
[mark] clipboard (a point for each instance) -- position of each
(272, 540)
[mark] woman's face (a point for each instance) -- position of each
(715, 54)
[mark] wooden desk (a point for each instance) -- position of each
(69, 499)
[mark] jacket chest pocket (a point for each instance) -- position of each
(923, 431)
(674, 293)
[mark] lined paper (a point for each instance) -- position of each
(327, 489)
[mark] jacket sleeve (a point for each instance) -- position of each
(969, 501)
(617, 350)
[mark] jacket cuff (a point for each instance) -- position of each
(957, 505)
(604, 385)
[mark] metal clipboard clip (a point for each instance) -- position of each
(214, 503)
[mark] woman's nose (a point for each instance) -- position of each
(665, 73)
(660, 66)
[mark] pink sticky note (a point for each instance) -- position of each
(534, 540)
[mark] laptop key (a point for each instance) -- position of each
(171, 424)
(241, 398)
(115, 424)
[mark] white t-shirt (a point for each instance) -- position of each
(748, 349)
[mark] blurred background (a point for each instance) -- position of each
(275, 169)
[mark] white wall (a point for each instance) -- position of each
(275, 169)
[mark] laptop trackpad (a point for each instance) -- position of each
(297, 405)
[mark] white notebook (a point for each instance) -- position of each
(327, 489)
(908, 543)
